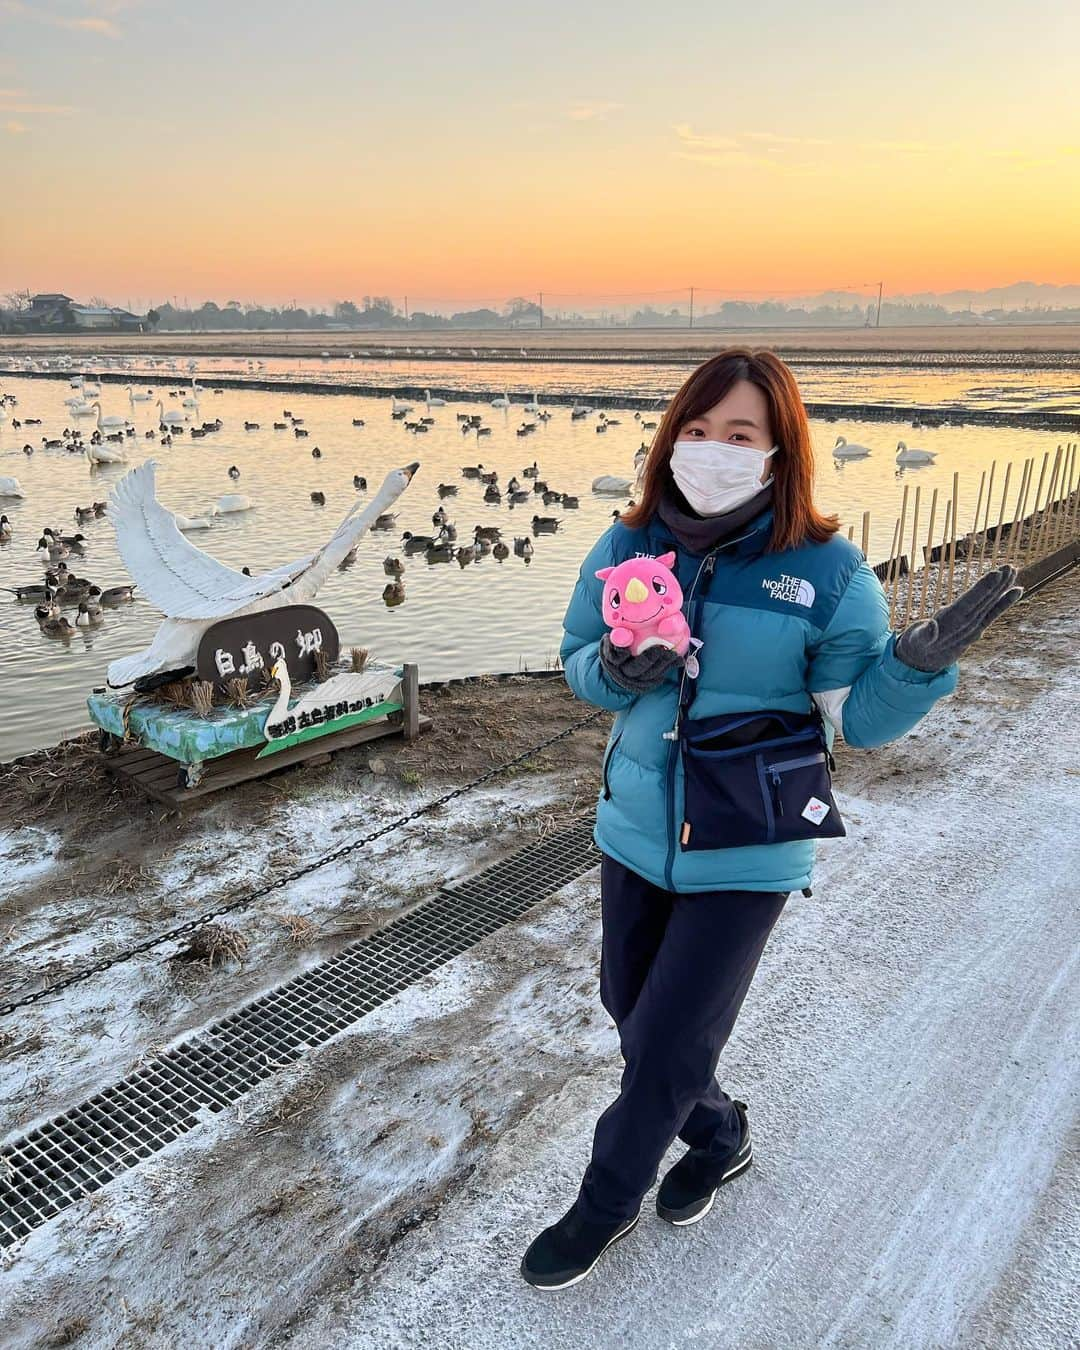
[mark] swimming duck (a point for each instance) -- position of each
(447, 490)
(472, 470)
(416, 543)
(115, 595)
(393, 567)
(439, 517)
(500, 551)
(89, 613)
(545, 522)
(48, 608)
(319, 498)
(468, 553)
(569, 501)
(56, 627)
(281, 426)
(393, 592)
(316, 453)
(358, 421)
(5, 528)
(443, 551)
(385, 521)
(359, 482)
(531, 472)
(492, 493)
(234, 472)
(524, 547)
(491, 532)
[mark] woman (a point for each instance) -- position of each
(795, 645)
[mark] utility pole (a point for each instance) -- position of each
(406, 309)
(691, 306)
(877, 324)
(541, 309)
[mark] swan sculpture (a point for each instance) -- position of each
(194, 590)
(844, 449)
(348, 687)
(914, 455)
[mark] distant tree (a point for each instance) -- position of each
(346, 312)
(100, 301)
(18, 300)
(153, 318)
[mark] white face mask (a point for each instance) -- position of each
(716, 476)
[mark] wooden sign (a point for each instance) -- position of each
(250, 643)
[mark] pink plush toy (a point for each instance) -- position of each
(642, 605)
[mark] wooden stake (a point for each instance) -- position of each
(974, 531)
(888, 570)
(1074, 508)
(986, 521)
(926, 556)
(1012, 553)
(851, 532)
(1035, 506)
(1059, 534)
(1050, 491)
(952, 536)
(1001, 517)
(914, 537)
(865, 533)
(941, 559)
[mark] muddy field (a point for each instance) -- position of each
(294, 1206)
(1062, 338)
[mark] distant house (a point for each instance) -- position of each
(51, 311)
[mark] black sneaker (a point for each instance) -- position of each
(566, 1251)
(688, 1190)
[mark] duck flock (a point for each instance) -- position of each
(109, 439)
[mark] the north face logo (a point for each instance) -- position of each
(793, 589)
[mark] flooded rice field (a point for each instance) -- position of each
(491, 615)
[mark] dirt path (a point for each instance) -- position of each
(906, 1052)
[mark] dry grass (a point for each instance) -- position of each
(213, 941)
(301, 930)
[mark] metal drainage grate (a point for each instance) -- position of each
(82, 1150)
(532, 873)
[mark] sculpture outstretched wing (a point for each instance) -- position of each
(182, 580)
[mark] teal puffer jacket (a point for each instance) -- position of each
(786, 630)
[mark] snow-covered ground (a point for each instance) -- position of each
(908, 1050)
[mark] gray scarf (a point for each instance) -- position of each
(699, 534)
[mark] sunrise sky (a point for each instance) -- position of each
(269, 150)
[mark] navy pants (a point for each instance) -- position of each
(674, 970)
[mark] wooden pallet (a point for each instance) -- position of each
(162, 778)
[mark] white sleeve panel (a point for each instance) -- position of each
(831, 702)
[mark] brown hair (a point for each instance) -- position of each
(795, 518)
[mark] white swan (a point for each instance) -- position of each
(502, 402)
(192, 399)
(433, 402)
(186, 523)
(168, 415)
(533, 406)
(112, 423)
(195, 590)
(134, 396)
(397, 406)
(233, 501)
(609, 483)
(844, 449)
(104, 454)
(347, 687)
(913, 455)
(9, 487)
(93, 390)
(82, 409)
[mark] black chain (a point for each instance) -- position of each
(281, 882)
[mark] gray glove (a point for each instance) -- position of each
(637, 674)
(932, 644)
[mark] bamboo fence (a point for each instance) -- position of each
(935, 567)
